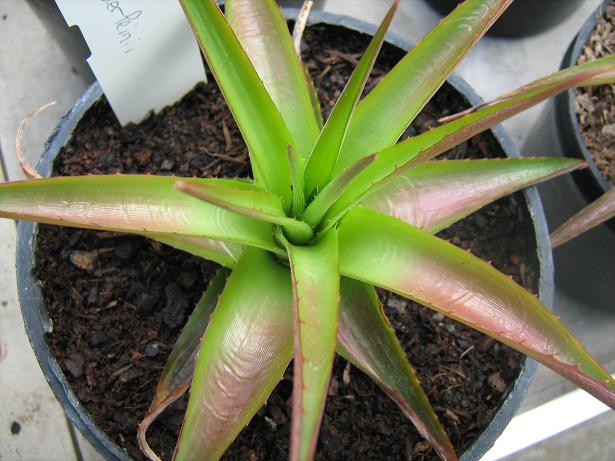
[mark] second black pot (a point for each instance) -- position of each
(523, 17)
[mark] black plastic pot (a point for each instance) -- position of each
(523, 17)
(38, 323)
(590, 180)
(583, 266)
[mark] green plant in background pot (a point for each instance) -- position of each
(589, 217)
(331, 213)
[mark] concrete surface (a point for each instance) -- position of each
(33, 71)
(29, 409)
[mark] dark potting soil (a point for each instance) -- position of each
(595, 106)
(118, 302)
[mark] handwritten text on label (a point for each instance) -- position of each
(125, 25)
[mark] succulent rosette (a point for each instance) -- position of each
(331, 213)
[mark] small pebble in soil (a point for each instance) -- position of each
(84, 260)
(152, 349)
(15, 428)
(495, 381)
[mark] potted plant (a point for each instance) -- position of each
(559, 132)
(298, 228)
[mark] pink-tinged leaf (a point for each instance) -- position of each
(177, 374)
(263, 33)
(248, 200)
(316, 289)
(589, 217)
(436, 194)
(598, 72)
(246, 348)
(224, 253)
(389, 253)
(385, 113)
(259, 120)
(133, 204)
(365, 338)
(398, 159)
(319, 168)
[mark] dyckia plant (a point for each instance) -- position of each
(332, 213)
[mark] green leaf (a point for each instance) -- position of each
(319, 168)
(177, 373)
(389, 253)
(397, 159)
(332, 191)
(246, 199)
(385, 113)
(258, 118)
(436, 194)
(129, 203)
(589, 217)
(365, 338)
(244, 353)
(296, 176)
(316, 309)
(224, 253)
(262, 30)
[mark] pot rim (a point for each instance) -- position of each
(38, 323)
(565, 102)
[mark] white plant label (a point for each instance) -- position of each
(143, 52)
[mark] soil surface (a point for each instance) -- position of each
(119, 302)
(595, 106)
